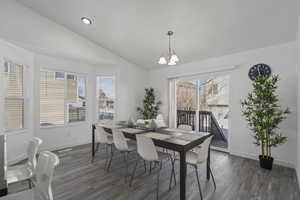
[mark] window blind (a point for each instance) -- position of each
(14, 96)
(52, 96)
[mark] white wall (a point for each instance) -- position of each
(54, 47)
(281, 58)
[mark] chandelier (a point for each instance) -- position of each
(171, 58)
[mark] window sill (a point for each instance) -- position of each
(69, 124)
(76, 123)
(16, 132)
(52, 126)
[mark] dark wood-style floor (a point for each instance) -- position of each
(76, 178)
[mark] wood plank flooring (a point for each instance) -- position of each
(76, 178)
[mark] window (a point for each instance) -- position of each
(6, 67)
(52, 98)
(55, 92)
(106, 97)
(76, 98)
(14, 97)
(60, 75)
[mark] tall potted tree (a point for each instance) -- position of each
(150, 106)
(264, 114)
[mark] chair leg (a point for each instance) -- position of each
(111, 157)
(150, 168)
(126, 162)
(172, 174)
(199, 186)
(97, 147)
(213, 178)
(158, 174)
(160, 167)
(29, 184)
(106, 160)
(145, 166)
(133, 173)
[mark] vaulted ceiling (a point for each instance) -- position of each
(136, 29)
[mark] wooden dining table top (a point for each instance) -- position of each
(172, 138)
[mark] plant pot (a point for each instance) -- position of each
(266, 162)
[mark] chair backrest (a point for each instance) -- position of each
(159, 117)
(203, 149)
(160, 123)
(146, 148)
(32, 150)
(101, 135)
(119, 140)
(185, 127)
(141, 123)
(44, 173)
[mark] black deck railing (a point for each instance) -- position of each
(207, 122)
(186, 117)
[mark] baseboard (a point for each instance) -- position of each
(255, 157)
(17, 159)
(219, 149)
(63, 146)
(24, 156)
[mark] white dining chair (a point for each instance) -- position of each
(42, 189)
(185, 127)
(199, 156)
(160, 122)
(104, 139)
(141, 123)
(147, 151)
(24, 172)
(122, 145)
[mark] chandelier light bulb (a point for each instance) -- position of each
(162, 61)
(174, 58)
(171, 63)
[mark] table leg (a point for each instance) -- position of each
(93, 141)
(3, 165)
(182, 175)
(208, 165)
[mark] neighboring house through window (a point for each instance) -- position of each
(105, 97)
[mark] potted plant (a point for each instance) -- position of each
(264, 114)
(150, 106)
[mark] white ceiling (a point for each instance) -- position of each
(136, 29)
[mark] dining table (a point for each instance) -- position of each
(174, 139)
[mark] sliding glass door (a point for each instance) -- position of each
(202, 104)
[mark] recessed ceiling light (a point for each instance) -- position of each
(86, 20)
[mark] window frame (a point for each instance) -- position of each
(113, 76)
(66, 118)
(75, 74)
(23, 97)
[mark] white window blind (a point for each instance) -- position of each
(106, 97)
(52, 98)
(14, 96)
(76, 98)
